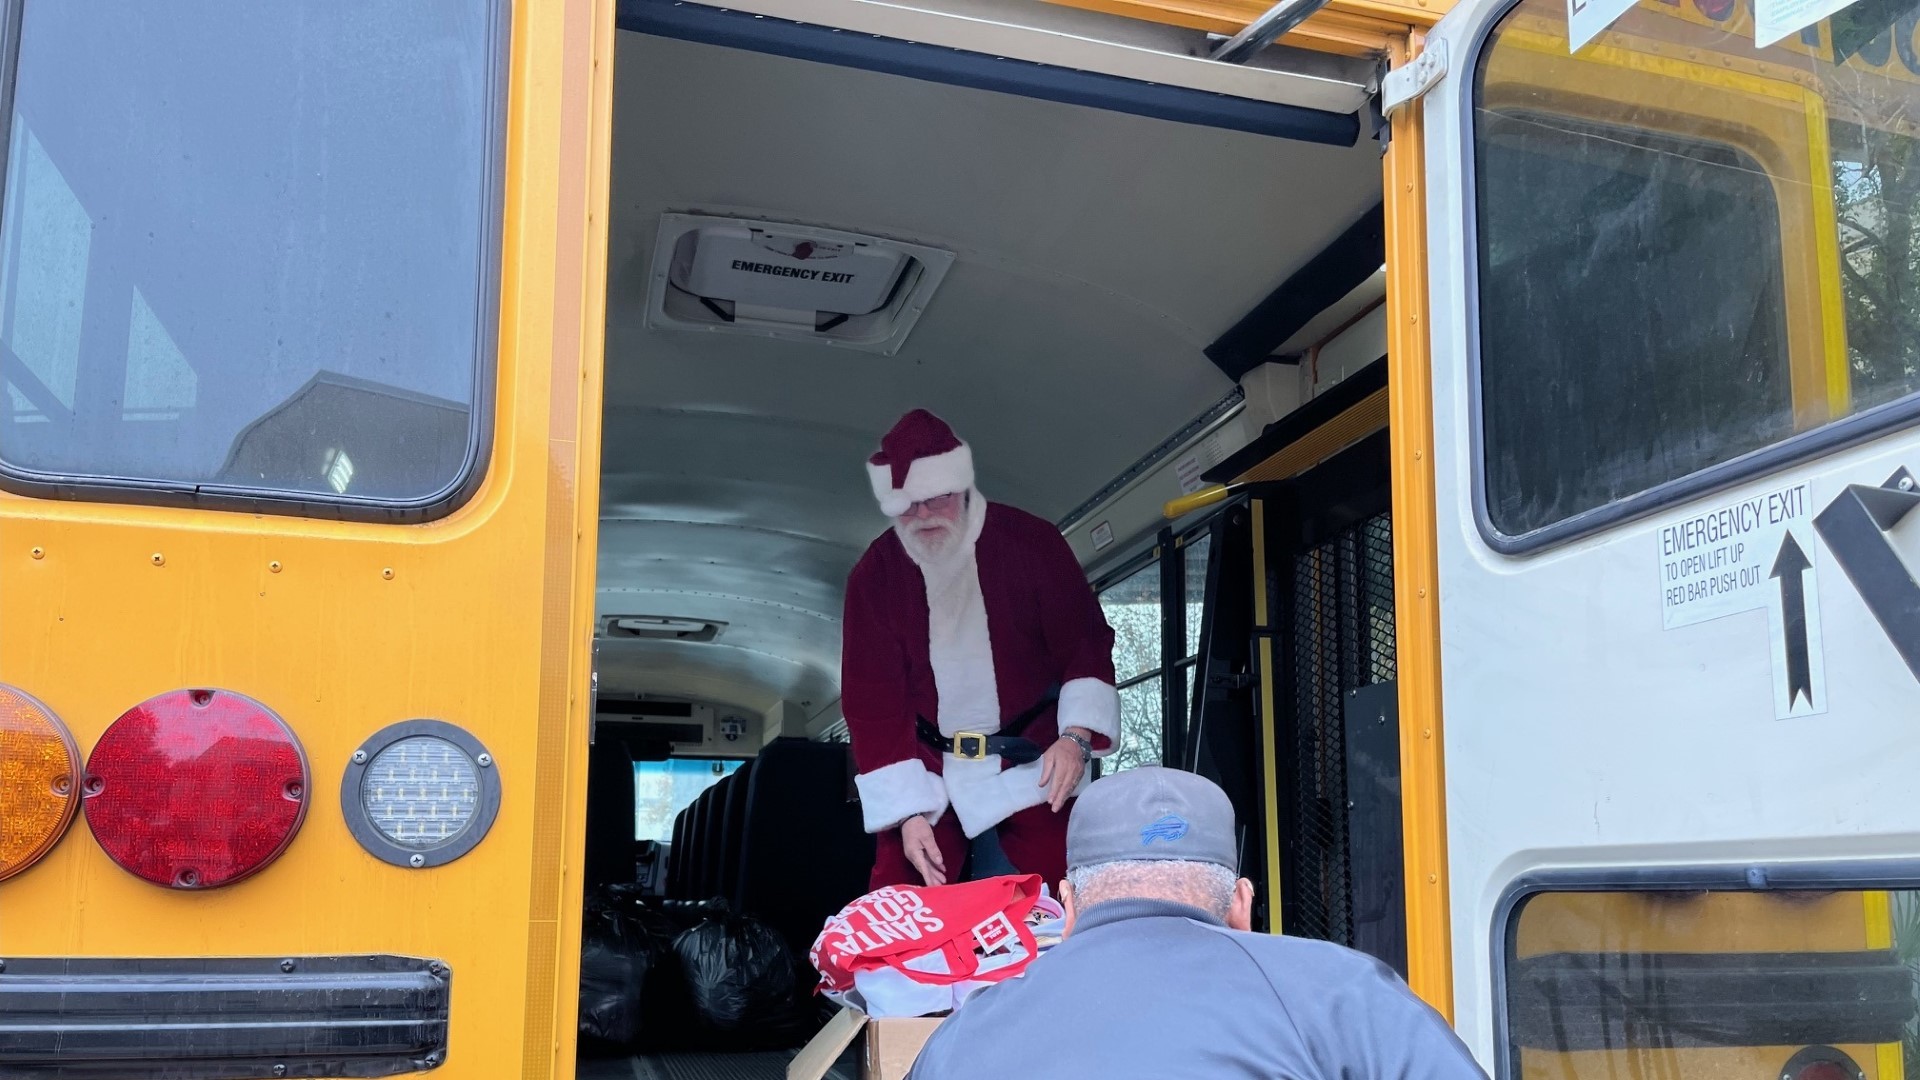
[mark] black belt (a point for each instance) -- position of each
(979, 745)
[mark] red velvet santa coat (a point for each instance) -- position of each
(977, 649)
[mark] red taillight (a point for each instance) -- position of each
(196, 789)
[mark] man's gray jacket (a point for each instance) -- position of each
(1158, 990)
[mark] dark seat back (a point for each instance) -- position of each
(804, 852)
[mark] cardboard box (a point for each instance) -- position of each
(891, 1047)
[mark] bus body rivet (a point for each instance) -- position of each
(1906, 483)
(274, 566)
(416, 861)
(287, 966)
(387, 573)
(159, 559)
(279, 1070)
(39, 553)
(437, 969)
(485, 760)
(359, 757)
(3, 966)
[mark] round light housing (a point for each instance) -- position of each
(420, 793)
(196, 789)
(39, 781)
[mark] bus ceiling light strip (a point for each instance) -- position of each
(794, 282)
(39, 780)
(420, 793)
(196, 789)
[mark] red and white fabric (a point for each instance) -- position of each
(918, 951)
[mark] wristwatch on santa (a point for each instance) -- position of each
(1086, 748)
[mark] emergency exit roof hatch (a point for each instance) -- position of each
(731, 275)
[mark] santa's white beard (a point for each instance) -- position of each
(940, 552)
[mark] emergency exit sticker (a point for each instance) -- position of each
(1753, 555)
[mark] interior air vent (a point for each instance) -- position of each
(790, 281)
(660, 628)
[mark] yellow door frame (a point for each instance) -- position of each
(1415, 559)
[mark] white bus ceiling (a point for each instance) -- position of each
(1097, 254)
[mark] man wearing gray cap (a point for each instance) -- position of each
(1159, 976)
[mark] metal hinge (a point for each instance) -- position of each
(1407, 84)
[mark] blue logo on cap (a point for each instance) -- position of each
(1168, 828)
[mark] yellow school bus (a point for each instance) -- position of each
(427, 479)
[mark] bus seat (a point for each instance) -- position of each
(712, 841)
(610, 841)
(677, 855)
(733, 825)
(804, 852)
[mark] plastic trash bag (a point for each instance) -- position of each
(740, 975)
(614, 959)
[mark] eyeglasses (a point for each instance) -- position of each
(939, 504)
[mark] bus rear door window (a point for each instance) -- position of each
(1712, 985)
(1685, 268)
(1631, 314)
(249, 250)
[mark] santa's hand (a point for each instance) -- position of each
(1060, 771)
(923, 851)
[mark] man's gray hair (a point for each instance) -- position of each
(1207, 886)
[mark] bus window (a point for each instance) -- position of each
(1876, 176)
(1630, 313)
(1712, 984)
(1680, 265)
(661, 789)
(1132, 607)
(248, 251)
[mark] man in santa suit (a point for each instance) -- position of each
(976, 669)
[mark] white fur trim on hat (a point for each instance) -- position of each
(1092, 704)
(893, 793)
(927, 478)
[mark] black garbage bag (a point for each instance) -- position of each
(741, 977)
(613, 970)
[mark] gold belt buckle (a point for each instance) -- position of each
(969, 745)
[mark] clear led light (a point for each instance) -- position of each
(420, 792)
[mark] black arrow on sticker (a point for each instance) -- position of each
(1788, 566)
(1855, 528)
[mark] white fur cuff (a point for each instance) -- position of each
(984, 795)
(893, 793)
(929, 477)
(1094, 705)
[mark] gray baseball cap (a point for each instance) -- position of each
(1152, 813)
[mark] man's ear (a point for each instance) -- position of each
(1240, 912)
(1072, 912)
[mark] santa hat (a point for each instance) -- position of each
(921, 458)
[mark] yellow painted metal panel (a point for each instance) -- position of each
(482, 619)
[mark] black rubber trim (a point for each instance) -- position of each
(1888, 874)
(1301, 422)
(933, 63)
(486, 808)
(1827, 439)
(1610, 1001)
(222, 1018)
(78, 487)
(1339, 269)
